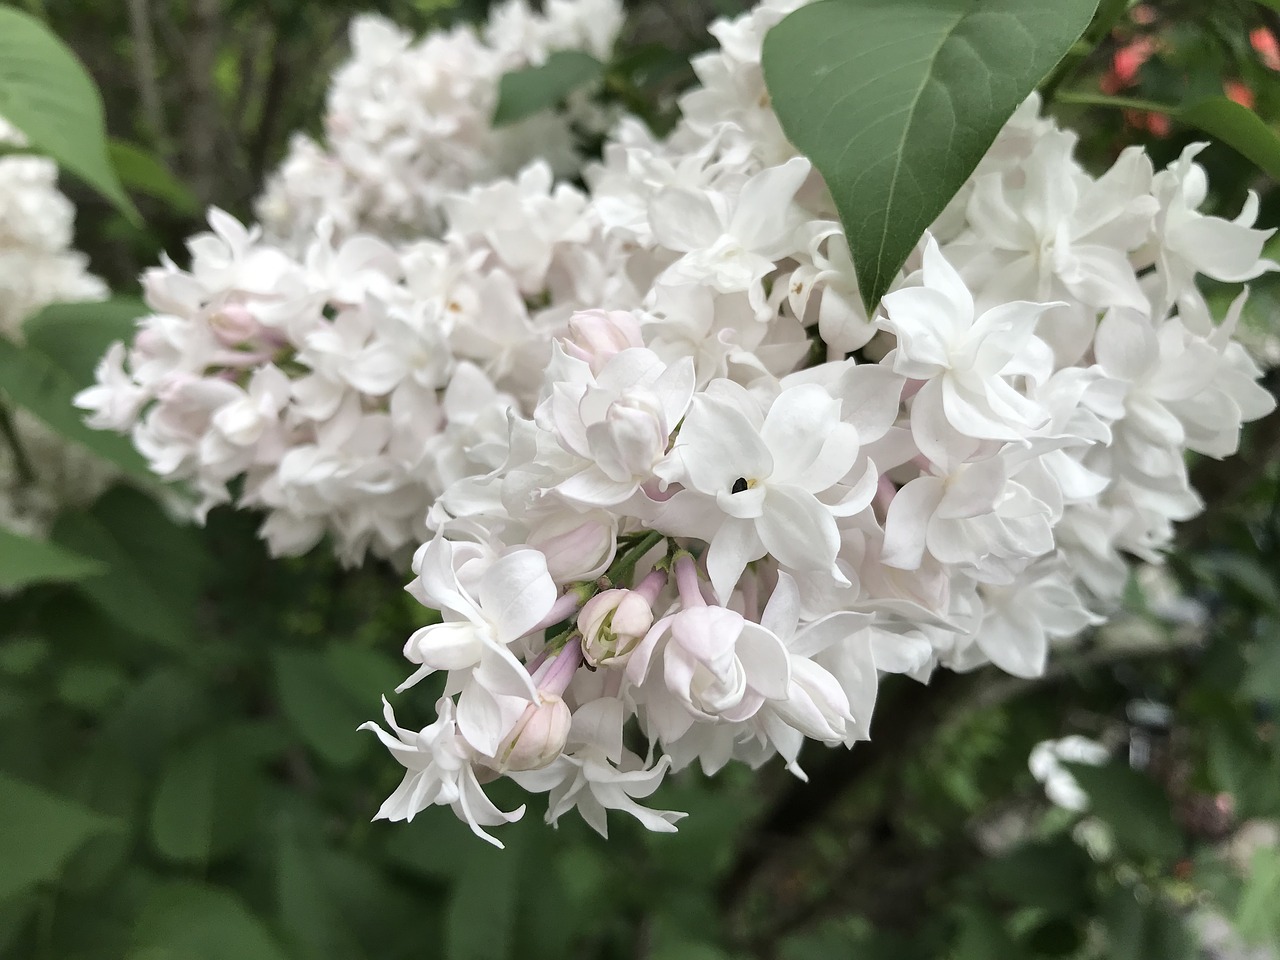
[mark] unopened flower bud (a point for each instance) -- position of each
(538, 736)
(596, 335)
(611, 624)
(233, 324)
(576, 547)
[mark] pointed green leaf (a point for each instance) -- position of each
(24, 561)
(896, 101)
(48, 95)
(523, 93)
(39, 832)
(143, 173)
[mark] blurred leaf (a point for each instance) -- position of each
(37, 382)
(39, 832)
(1240, 764)
(1262, 680)
(522, 93)
(21, 655)
(145, 174)
(1134, 806)
(24, 561)
(189, 921)
(91, 686)
(896, 101)
(982, 936)
(76, 335)
(48, 95)
(1050, 874)
(482, 905)
(307, 913)
(204, 806)
(1257, 918)
(318, 699)
(1146, 929)
(14, 915)
(154, 567)
(164, 708)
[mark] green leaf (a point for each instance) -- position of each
(46, 93)
(22, 655)
(76, 335)
(203, 808)
(1256, 917)
(1238, 127)
(145, 174)
(39, 383)
(39, 832)
(1134, 806)
(1050, 874)
(92, 687)
(523, 93)
(321, 702)
(1146, 929)
(24, 561)
(896, 101)
(482, 908)
(1221, 117)
(189, 921)
(154, 567)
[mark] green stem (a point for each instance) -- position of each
(1086, 99)
(625, 565)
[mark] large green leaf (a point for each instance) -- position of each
(48, 95)
(523, 93)
(39, 832)
(24, 561)
(204, 806)
(43, 377)
(896, 101)
(188, 921)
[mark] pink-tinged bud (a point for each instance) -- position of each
(611, 624)
(576, 547)
(538, 736)
(596, 335)
(233, 324)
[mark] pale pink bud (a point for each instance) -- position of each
(611, 624)
(576, 548)
(233, 324)
(596, 335)
(538, 736)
